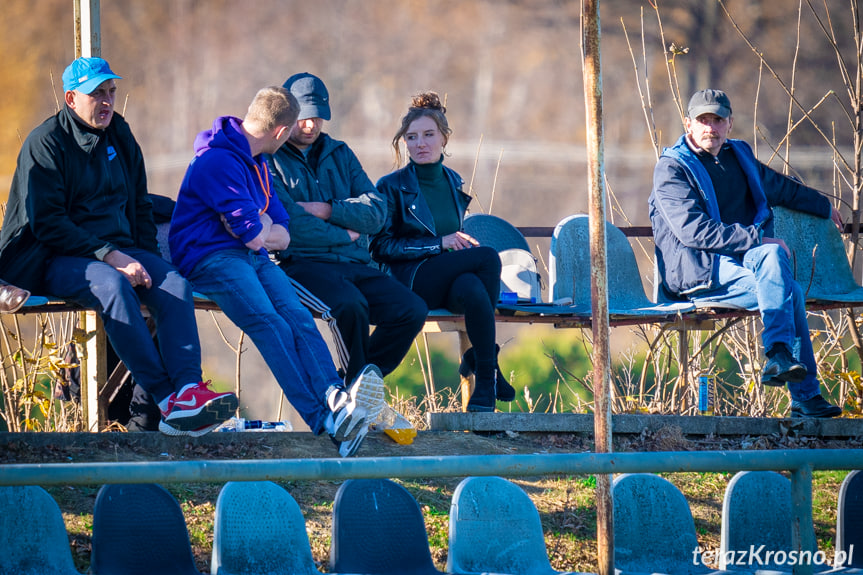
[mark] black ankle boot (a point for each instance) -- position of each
(482, 398)
(503, 390)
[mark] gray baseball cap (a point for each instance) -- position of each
(709, 102)
(312, 95)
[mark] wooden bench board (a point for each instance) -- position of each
(95, 378)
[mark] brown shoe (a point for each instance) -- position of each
(12, 298)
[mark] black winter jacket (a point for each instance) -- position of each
(409, 237)
(60, 188)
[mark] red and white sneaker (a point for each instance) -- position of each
(196, 410)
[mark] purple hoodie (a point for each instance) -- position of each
(221, 181)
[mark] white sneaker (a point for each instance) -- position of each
(352, 409)
(350, 446)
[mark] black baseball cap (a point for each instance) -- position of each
(709, 102)
(312, 95)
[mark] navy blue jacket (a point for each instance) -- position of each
(409, 235)
(687, 229)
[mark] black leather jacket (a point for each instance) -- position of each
(408, 237)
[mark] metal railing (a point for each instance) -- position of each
(799, 462)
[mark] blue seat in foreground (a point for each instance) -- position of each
(259, 528)
(849, 520)
(653, 528)
(494, 527)
(378, 529)
(746, 525)
(33, 537)
(139, 530)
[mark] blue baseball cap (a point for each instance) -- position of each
(85, 74)
(312, 95)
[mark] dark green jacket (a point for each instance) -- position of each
(332, 173)
(60, 193)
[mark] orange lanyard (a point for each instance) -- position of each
(264, 186)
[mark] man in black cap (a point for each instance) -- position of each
(334, 208)
(713, 230)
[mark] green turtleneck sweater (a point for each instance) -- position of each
(439, 196)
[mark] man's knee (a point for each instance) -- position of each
(353, 310)
(114, 287)
(772, 254)
(415, 310)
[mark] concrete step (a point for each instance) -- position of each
(637, 423)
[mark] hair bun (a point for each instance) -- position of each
(429, 101)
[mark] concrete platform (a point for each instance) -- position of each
(636, 423)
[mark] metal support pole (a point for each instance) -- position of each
(88, 39)
(802, 529)
(598, 279)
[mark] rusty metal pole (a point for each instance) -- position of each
(598, 279)
(88, 44)
(88, 39)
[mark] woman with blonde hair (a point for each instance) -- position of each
(423, 246)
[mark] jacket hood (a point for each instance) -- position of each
(226, 134)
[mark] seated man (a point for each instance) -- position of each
(225, 221)
(712, 224)
(334, 208)
(79, 226)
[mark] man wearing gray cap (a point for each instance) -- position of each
(334, 208)
(713, 228)
(79, 225)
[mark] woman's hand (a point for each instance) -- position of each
(458, 241)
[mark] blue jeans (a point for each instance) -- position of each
(260, 299)
(763, 280)
(97, 285)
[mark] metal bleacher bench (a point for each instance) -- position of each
(819, 260)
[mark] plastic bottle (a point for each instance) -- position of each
(706, 394)
(396, 426)
(240, 424)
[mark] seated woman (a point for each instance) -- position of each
(422, 244)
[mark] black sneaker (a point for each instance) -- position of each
(814, 407)
(782, 368)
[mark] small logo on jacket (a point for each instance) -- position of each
(294, 182)
(112, 153)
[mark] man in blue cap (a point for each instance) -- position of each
(334, 208)
(713, 229)
(79, 226)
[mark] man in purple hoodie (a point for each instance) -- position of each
(225, 223)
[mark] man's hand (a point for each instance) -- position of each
(837, 219)
(458, 241)
(779, 241)
(260, 240)
(279, 238)
(353, 235)
(129, 267)
(321, 210)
